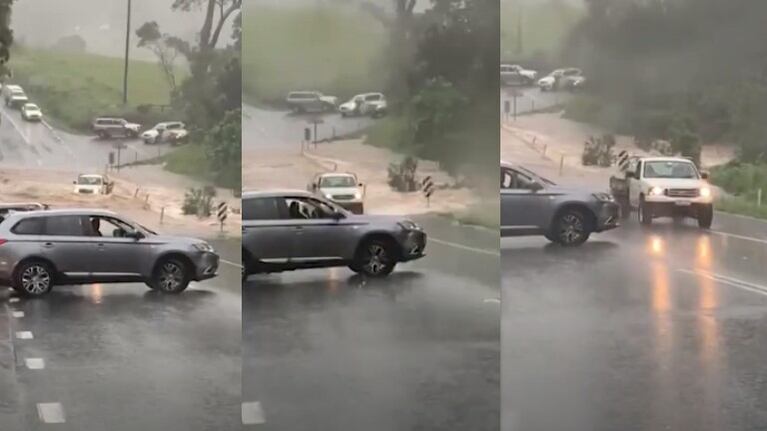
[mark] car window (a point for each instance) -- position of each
(338, 181)
(506, 179)
(373, 97)
(307, 208)
(260, 209)
(29, 226)
(69, 225)
(520, 181)
(107, 227)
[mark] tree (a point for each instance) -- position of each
(165, 47)
(6, 35)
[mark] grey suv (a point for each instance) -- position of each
(533, 205)
(291, 230)
(39, 249)
(107, 127)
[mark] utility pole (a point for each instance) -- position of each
(127, 51)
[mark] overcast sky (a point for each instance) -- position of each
(100, 22)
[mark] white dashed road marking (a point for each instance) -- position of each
(51, 413)
(18, 314)
(492, 301)
(465, 247)
(35, 363)
(13, 300)
(252, 413)
(24, 335)
(230, 263)
(734, 282)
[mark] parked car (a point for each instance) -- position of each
(559, 79)
(513, 74)
(93, 184)
(664, 187)
(342, 188)
(310, 101)
(17, 100)
(109, 127)
(163, 132)
(373, 104)
(31, 112)
(533, 205)
(9, 90)
(40, 249)
(292, 230)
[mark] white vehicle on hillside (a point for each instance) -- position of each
(373, 104)
(164, 132)
(31, 112)
(513, 74)
(560, 78)
(664, 187)
(93, 184)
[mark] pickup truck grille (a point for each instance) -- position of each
(343, 197)
(683, 193)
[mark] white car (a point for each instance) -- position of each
(664, 187)
(514, 74)
(17, 100)
(93, 184)
(373, 104)
(342, 188)
(31, 112)
(558, 77)
(165, 131)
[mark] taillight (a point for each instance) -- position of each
(3, 241)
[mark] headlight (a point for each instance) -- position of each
(409, 225)
(705, 192)
(358, 195)
(203, 247)
(604, 197)
(656, 191)
(328, 196)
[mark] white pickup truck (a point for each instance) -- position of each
(664, 187)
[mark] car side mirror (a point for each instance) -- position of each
(360, 185)
(337, 216)
(705, 175)
(630, 174)
(135, 235)
(536, 186)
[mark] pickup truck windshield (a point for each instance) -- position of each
(344, 181)
(670, 169)
(89, 181)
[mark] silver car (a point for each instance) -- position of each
(291, 230)
(39, 249)
(533, 205)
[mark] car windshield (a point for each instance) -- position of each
(31, 107)
(670, 169)
(89, 180)
(338, 181)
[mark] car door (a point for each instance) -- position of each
(65, 243)
(521, 209)
(267, 232)
(319, 237)
(117, 255)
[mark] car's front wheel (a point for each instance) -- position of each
(705, 216)
(571, 228)
(171, 275)
(375, 259)
(33, 278)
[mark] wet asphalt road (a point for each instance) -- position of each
(34, 145)
(326, 350)
(121, 357)
(264, 129)
(659, 328)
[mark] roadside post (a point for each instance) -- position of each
(314, 122)
(111, 159)
(162, 214)
(119, 146)
(221, 214)
(307, 138)
(427, 186)
(506, 109)
(759, 197)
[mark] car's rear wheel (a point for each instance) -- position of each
(705, 216)
(33, 278)
(171, 275)
(571, 228)
(375, 258)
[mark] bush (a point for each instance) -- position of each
(199, 202)
(741, 179)
(599, 151)
(402, 175)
